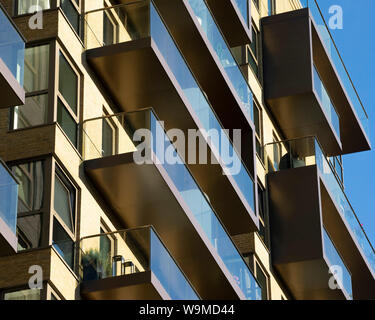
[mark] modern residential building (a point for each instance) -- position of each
(91, 87)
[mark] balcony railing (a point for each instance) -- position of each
(12, 47)
(140, 20)
(338, 62)
(132, 251)
(221, 48)
(344, 277)
(306, 152)
(326, 102)
(8, 197)
(183, 180)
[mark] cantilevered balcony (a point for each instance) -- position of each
(197, 34)
(307, 85)
(12, 53)
(131, 264)
(153, 186)
(306, 201)
(8, 210)
(141, 66)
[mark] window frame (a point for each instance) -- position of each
(59, 96)
(249, 54)
(49, 91)
(59, 174)
(259, 137)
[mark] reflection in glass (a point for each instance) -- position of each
(32, 113)
(31, 186)
(36, 68)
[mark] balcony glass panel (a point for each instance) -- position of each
(133, 251)
(8, 198)
(186, 186)
(344, 277)
(12, 47)
(221, 48)
(305, 152)
(243, 7)
(326, 102)
(143, 20)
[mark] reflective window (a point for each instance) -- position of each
(23, 6)
(27, 294)
(68, 83)
(31, 188)
(64, 200)
(63, 243)
(70, 9)
(34, 112)
(67, 122)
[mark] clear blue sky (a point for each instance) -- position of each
(357, 47)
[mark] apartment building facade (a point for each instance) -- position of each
(81, 218)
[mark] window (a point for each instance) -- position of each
(67, 105)
(253, 52)
(105, 249)
(263, 216)
(108, 30)
(71, 9)
(27, 294)
(64, 201)
(30, 191)
(30, 203)
(262, 280)
(63, 243)
(276, 153)
(29, 231)
(258, 131)
(23, 6)
(36, 79)
(108, 138)
(64, 220)
(67, 122)
(68, 83)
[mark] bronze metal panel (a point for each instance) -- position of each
(208, 71)
(139, 67)
(291, 45)
(143, 195)
(137, 286)
(11, 93)
(296, 233)
(288, 80)
(363, 279)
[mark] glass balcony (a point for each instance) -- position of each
(140, 20)
(129, 252)
(307, 152)
(338, 62)
(12, 47)
(326, 102)
(221, 48)
(162, 151)
(8, 197)
(344, 279)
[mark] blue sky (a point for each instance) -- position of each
(357, 47)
